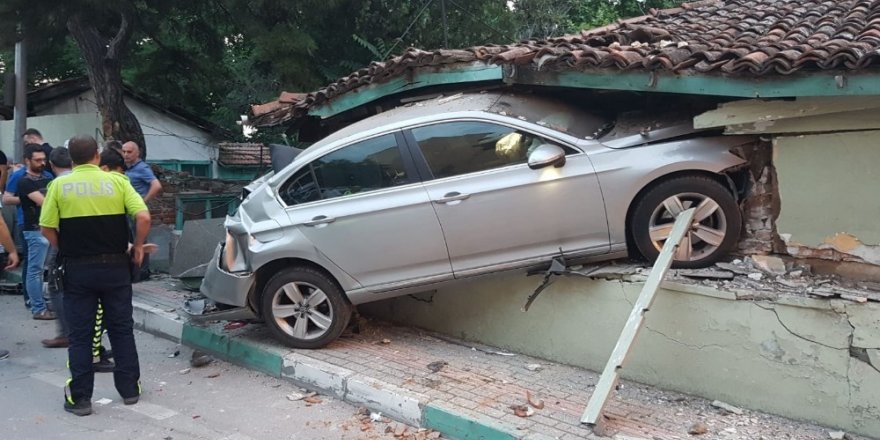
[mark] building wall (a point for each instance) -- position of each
(828, 186)
(790, 357)
(55, 129)
(167, 137)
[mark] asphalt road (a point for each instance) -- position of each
(218, 401)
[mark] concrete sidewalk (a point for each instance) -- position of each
(463, 390)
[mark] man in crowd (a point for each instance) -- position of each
(90, 229)
(33, 136)
(31, 190)
(144, 182)
(10, 198)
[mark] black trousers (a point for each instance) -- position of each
(84, 285)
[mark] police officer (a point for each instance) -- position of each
(84, 215)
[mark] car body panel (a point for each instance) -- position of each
(378, 237)
(514, 214)
(624, 172)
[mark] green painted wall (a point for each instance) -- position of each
(829, 183)
(247, 174)
(794, 362)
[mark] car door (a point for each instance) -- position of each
(495, 211)
(363, 207)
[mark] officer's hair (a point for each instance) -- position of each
(83, 149)
(114, 144)
(60, 157)
(30, 149)
(32, 131)
(112, 159)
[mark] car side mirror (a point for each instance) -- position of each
(546, 155)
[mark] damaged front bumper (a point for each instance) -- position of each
(226, 287)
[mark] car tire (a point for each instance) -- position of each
(304, 308)
(716, 229)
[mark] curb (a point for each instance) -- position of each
(313, 374)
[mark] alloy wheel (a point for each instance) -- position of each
(707, 231)
(302, 310)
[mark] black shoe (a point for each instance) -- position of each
(104, 366)
(133, 399)
(79, 408)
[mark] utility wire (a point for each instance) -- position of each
(399, 39)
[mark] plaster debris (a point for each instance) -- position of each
(707, 274)
(537, 404)
(200, 359)
(522, 410)
(757, 276)
(735, 267)
(698, 428)
(837, 435)
(727, 407)
(435, 367)
(312, 400)
(534, 367)
(770, 264)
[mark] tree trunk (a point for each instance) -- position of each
(104, 67)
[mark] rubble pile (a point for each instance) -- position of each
(763, 276)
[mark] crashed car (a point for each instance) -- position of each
(461, 186)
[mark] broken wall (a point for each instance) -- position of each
(163, 209)
(823, 172)
(828, 184)
(808, 359)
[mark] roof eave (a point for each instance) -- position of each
(801, 84)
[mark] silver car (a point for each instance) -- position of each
(462, 186)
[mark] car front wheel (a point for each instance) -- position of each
(714, 231)
(304, 308)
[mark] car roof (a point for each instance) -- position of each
(481, 101)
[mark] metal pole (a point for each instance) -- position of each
(445, 25)
(20, 114)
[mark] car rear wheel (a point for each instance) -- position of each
(715, 228)
(304, 308)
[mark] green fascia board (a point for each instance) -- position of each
(773, 86)
(807, 84)
(419, 78)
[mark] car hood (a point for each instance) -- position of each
(652, 136)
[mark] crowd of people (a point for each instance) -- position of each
(81, 217)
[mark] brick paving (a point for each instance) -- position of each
(484, 382)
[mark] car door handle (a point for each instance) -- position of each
(320, 220)
(454, 196)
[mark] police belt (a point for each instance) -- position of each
(97, 259)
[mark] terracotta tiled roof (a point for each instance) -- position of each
(234, 154)
(285, 98)
(733, 37)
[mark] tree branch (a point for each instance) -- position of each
(120, 40)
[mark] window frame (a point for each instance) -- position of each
(424, 169)
(413, 176)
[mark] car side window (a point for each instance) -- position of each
(454, 148)
(364, 166)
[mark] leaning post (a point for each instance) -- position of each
(611, 374)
